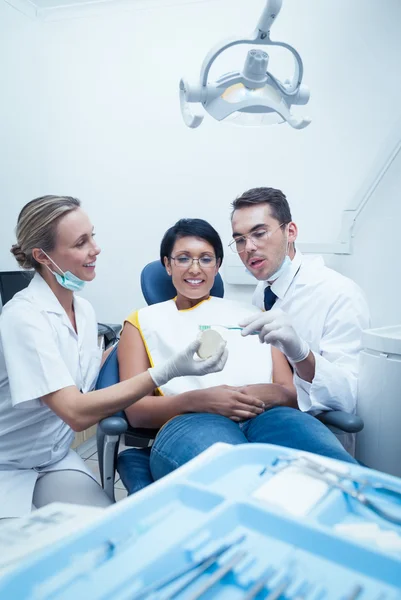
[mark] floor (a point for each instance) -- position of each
(88, 452)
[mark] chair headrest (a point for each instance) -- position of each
(157, 285)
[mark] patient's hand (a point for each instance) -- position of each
(272, 394)
(229, 402)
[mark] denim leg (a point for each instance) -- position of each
(186, 436)
(292, 428)
(134, 469)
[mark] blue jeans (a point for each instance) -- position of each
(133, 466)
(186, 436)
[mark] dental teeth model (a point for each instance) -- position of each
(210, 342)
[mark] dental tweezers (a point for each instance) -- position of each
(259, 585)
(339, 480)
(359, 494)
(354, 593)
(195, 575)
(219, 574)
(198, 567)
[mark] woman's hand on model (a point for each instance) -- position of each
(185, 364)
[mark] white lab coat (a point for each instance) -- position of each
(329, 311)
(40, 353)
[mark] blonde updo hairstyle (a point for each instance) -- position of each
(37, 227)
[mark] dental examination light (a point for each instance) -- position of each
(253, 96)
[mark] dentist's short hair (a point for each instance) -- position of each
(275, 199)
(37, 226)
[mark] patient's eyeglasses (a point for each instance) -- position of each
(184, 262)
(258, 238)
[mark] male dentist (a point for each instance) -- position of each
(314, 315)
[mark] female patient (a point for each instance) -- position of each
(195, 412)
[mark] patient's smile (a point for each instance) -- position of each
(194, 282)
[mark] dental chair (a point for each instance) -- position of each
(157, 287)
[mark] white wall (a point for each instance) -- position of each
(91, 109)
(375, 263)
(21, 143)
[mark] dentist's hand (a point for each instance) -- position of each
(183, 363)
(275, 328)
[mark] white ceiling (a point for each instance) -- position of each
(54, 10)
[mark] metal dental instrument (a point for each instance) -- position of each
(196, 573)
(259, 584)
(303, 592)
(280, 588)
(354, 593)
(219, 574)
(359, 494)
(194, 566)
(354, 487)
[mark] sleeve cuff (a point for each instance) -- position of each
(321, 394)
(303, 393)
(331, 389)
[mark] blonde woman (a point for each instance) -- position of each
(49, 362)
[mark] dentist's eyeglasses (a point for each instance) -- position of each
(184, 262)
(258, 238)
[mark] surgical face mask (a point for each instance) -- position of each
(283, 267)
(67, 280)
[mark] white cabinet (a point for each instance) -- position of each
(379, 400)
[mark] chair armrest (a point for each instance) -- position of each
(139, 437)
(108, 435)
(341, 420)
(115, 425)
(109, 331)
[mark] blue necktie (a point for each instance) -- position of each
(270, 298)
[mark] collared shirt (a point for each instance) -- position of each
(329, 312)
(40, 353)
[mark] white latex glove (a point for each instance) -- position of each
(275, 328)
(183, 363)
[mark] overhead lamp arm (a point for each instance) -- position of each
(260, 37)
(268, 17)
